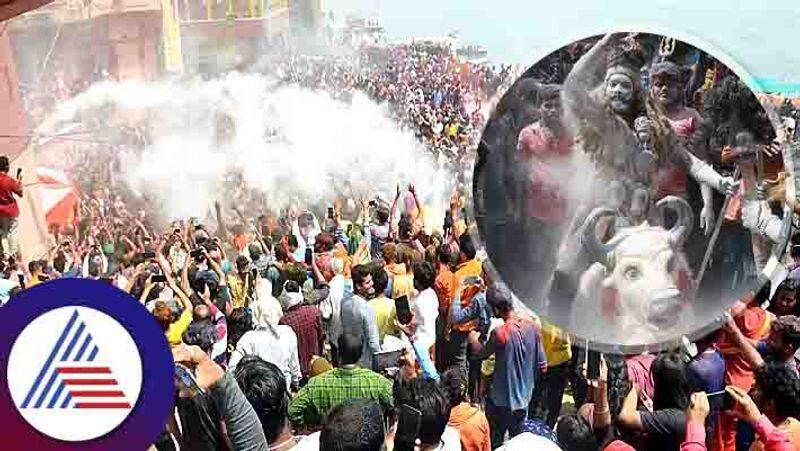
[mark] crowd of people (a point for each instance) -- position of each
(363, 329)
(428, 89)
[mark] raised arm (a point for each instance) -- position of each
(586, 75)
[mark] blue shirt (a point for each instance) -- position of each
(478, 309)
(519, 356)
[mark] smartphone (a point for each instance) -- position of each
(158, 278)
(148, 255)
(721, 400)
(309, 256)
(593, 365)
(185, 379)
(197, 253)
(330, 212)
(21, 279)
(409, 420)
(19, 172)
(373, 203)
(403, 309)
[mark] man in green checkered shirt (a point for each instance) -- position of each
(325, 391)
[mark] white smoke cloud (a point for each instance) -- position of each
(322, 144)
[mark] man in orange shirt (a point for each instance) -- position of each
(754, 323)
(467, 417)
(445, 286)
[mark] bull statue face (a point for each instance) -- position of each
(640, 288)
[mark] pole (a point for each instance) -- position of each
(715, 235)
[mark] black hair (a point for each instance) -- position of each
(242, 262)
(668, 70)
(292, 240)
(358, 274)
(350, 348)
(382, 214)
(35, 265)
(454, 382)
(354, 425)
(575, 434)
(424, 275)
(4, 164)
(239, 323)
(780, 384)
(431, 400)
(60, 261)
(264, 386)
(202, 334)
(499, 298)
(292, 286)
(446, 256)
(404, 227)
(672, 388)
(380, 280)
(466, 245)
(787, 285)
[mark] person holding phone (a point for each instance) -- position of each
(9, 210)
(664, 422)
(241, 421)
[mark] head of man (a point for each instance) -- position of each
(466, 248)
(350, 348)
(163, 315)
(202, 334)
(445, 256)
(201, 313)
(4, 164)
(550, 106)
(264, 386)
(242, 265)
(305, 223)
(362, 281)
(35, 267)
(354, 425)
(785, 300)
(380, 280)
(776, 391)
(432, 401)
(666, 83)
(784, 338)
(622, 86)
(424, 275)
(382, 214)
(499, 297)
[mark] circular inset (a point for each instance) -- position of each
(104, 347)
(74, 374)
(628, 187)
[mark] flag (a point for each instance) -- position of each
(173, 57)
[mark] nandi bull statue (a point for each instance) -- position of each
(639, 288)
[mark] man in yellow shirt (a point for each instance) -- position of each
(468, 265)
(546, 403)
(36, 268)
(385, 310)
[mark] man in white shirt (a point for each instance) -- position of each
(274, 344)
(425, 304)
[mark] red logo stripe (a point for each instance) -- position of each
(97, 394)
(84, 370)
(102, 405)
(90, 381)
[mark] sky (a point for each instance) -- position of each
(756, 38)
